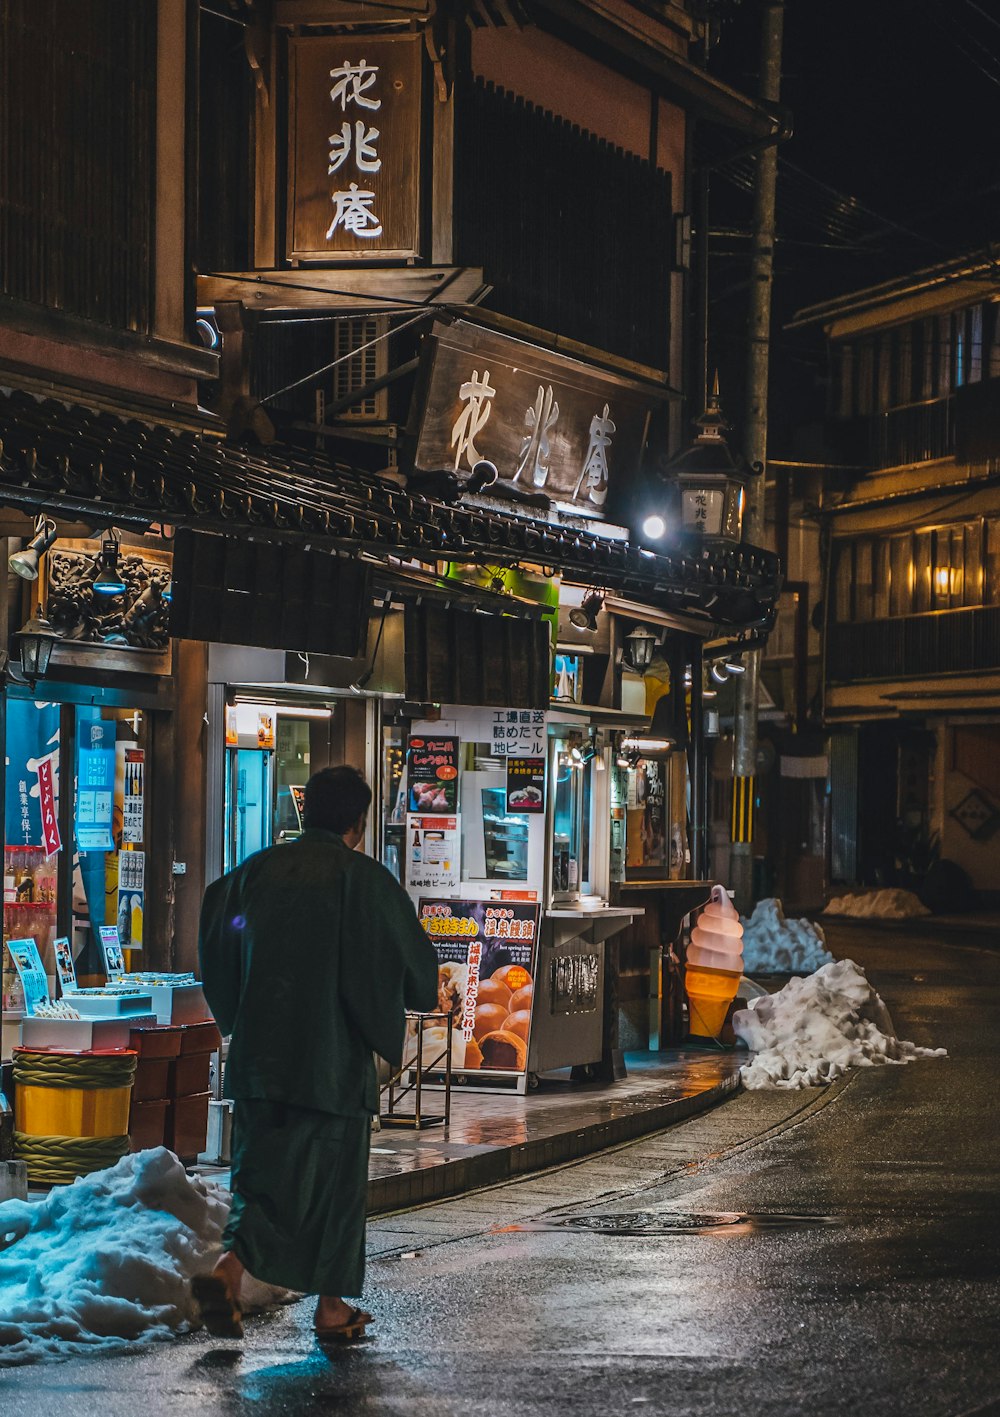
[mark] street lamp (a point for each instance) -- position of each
(37, 639)
(712, 482)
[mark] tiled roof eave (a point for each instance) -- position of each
(97, 468)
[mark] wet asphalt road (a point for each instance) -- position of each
(880, 1295)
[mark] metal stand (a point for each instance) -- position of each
(397, 1089)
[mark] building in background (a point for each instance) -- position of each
(910, 515)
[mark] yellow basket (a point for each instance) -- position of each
(71, 1111)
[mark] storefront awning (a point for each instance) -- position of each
(72, 461)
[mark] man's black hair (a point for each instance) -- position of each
(335, 798)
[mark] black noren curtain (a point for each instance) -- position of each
(461, 657)
(242, 592)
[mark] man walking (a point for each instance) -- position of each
(310, 953)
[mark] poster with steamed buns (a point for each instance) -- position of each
(486, 977)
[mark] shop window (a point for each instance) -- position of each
(843, 579)
(975, 344)
(923, 572)
(973, 563)
(71, 866)
(880, 579)
(863, 580)
(900, 575)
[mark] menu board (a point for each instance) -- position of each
(432, 774)
(31, 973)
(486, 972)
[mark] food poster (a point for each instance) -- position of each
(65, 968)
(433, 853)
(525, 785)
(486, 972)
(432, 774)
(114, 960)
(31, 973)
(131, 898)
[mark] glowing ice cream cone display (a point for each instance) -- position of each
(714, 965)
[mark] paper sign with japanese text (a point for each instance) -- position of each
(433, 855)
(31, 973)
(134, 798)
(111, 945)
(432, 774)
(525, 784)
(65, 968)
(131, 898)
(95, 794)
(486, 972)
(51, 839)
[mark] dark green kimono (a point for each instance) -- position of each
(310, 953)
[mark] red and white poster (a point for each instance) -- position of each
(51, 839)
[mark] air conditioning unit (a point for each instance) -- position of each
(364, 362)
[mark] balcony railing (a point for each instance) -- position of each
(915, 646)
(918, 432)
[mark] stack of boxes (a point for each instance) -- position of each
(173, 1087)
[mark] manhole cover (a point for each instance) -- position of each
(645, 1222)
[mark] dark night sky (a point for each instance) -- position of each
(894, 163)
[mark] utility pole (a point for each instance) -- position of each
(759, 333)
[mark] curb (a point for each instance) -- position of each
(472, 1173)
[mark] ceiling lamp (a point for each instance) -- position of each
(25, 563)
(584, 616)
(109, 581)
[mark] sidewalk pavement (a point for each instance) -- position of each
(495, 1136)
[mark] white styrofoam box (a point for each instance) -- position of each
(81, 1033)
(112, 1005)
(179, 1003)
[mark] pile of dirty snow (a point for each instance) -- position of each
(894, 904)
(774, 945)
(107, 1261)
(814, 1030)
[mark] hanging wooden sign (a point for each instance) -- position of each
(354, 148)
(551, 424)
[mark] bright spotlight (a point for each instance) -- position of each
(654, 526)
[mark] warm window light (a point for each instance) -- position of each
(942, 579)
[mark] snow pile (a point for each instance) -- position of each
(813, 1030)
(106, 1261)
(774, 945)
(894, 904)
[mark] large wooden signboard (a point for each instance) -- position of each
(354, 148)
(551, 424)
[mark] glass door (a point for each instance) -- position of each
(248, 803)
(566, 775)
